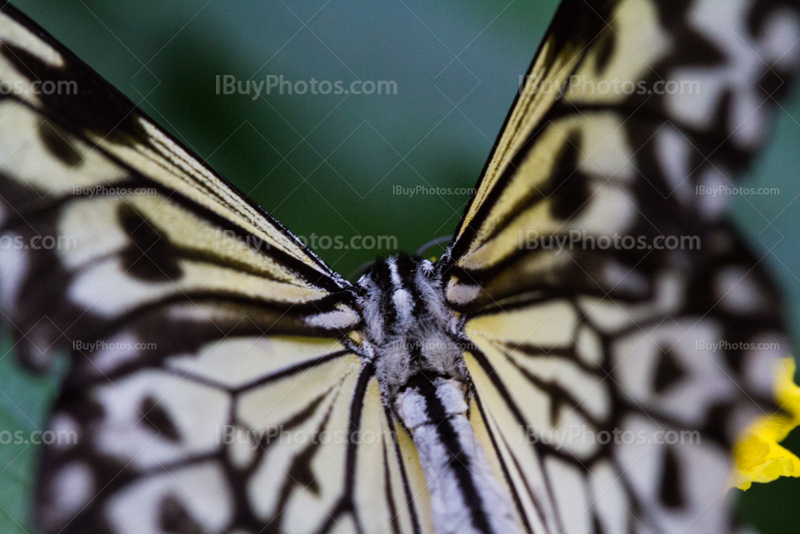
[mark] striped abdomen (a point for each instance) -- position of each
(465, 495)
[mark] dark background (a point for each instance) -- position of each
(328, 164)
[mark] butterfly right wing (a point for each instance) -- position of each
(589, 350)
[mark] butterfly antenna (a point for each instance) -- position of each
(360, 271)
(430, 244)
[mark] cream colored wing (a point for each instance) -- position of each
(633, 122)
(211, 385)
(107, 218)
(623, 333)
(250, 434)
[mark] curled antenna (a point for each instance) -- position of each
(430, 244)
(364, 267)
(360, 271)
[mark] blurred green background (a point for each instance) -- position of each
(328, 164)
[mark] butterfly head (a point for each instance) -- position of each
(408, 325)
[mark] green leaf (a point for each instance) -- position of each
(24, 402)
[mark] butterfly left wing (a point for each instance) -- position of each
(103, 214)
(211, 386)
(623, 332)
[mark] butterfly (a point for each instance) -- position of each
(240, 385)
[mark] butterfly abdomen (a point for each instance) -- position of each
(465, 495)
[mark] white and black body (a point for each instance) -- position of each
(230, 373)
(416, 342)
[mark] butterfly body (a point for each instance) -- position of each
(416, 342)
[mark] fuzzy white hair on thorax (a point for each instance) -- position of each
(408, 324)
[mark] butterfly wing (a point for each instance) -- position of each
(623, 332)
(211, 385)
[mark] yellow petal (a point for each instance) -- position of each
(757, 455)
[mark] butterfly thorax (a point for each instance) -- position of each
(409, 328)
(413, 339)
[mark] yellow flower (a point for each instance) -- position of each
(756, 454)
